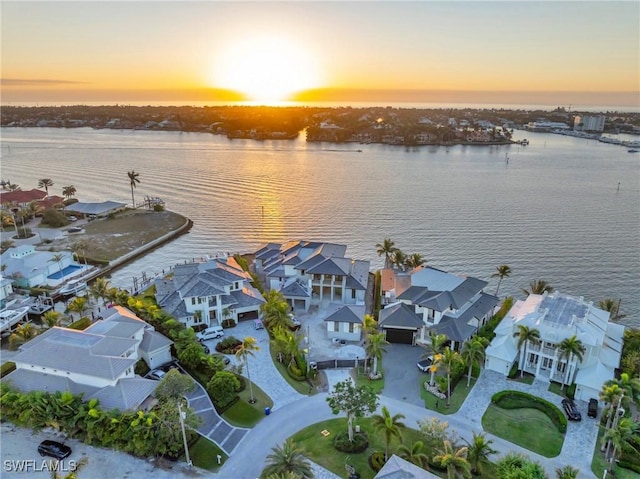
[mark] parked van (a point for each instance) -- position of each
(211, 332)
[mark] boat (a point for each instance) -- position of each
(524, 142)
(41, 305)
(633, 150)
(10, 317)
(73, 287)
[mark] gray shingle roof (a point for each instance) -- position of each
(152, 341)
(27, 380)
(348, 314)
(399, 315)
(454, 328)
(295, 289)
(127, 394)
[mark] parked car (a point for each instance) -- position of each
(592, 411)
(54, 449)
(211, 332)
(257, 324)
(223, 358)
(157, 374)
(425, 364)
(73, 218)
(571, 410)
(206, 348)
(295, 323)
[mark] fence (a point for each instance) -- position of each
(340, 363)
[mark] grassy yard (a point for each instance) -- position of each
(526, 427)
(362, 380)
(204, 454)
(303, 387)
(526, 379)
(458, 396)
(245, 414)
(598, 464)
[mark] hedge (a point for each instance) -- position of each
(517, 400)
(81, 324)
(7, 368)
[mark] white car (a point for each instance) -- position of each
(211, 332)
(425, 364)
(158, 374)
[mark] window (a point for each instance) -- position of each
(317, 277)
(431, 314)
(193, 301)
(338, 278)
(353, 294)
(351, 327)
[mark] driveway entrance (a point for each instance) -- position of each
(401, 373)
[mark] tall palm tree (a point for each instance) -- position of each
(415, 260)
(613, 307)
(246, 349)
(567, 472)
(454, 460)
(448, 359)
(618, 436)
(538, 286)
(100, 289)
(45, 183)
(52, 318)
(288, 458)
(133, 179)
(479, 450)
(23, 333)
(369, 326)
(437, 346)
(525, 336)
(502, 271)
(414, 454)
(58, 257)
(390, 425)
(78, 305)
(629, 385)
(386, 248)
(78, 247)
(570, 347)
(68, 191)
(375, 347)
(472, 351)
(275, 310)
(399, 259)
(610, 394)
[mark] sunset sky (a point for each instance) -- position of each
(266, 51)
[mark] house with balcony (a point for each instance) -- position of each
(311, 273)
(203, 294)
(558, 317)
(97, 362)
(434, 301)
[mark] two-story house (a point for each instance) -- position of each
(311, 273)
(206, 293)
(97, 362)
(29, 267)
(430, 300)
(557, 317)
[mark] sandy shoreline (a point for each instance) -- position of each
(19, 444)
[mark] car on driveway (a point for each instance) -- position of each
(425, 364)
(571, 410)
(592, 410)
(157, 374)
(54, 449)
(211, 332)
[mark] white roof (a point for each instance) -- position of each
(594, 376)
(502, 347)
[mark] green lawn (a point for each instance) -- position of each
(303, 387)
(598, 464)
(204, 454)
(362, 380)
(245, 414)
(458, 396)
(526, 427)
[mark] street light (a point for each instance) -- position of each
(183, 415)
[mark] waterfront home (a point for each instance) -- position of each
(345, 322)
(6, 290)
(104, 208)
(21, 199)
(434, 301)
(97, 362)
(205, 293)
(312, 273)
(557, 317)
(29, 267)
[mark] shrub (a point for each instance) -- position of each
(24, 232)
(81, 324)
(359, 444)
(228, 323)
(158, 208)
(228, 345)
(53, 218)
(571, 391)
(6, 368)
(517, 400)
(223, 388)
(513, 371)
(376, 461)
(141, 368)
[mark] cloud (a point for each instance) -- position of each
(38, 82)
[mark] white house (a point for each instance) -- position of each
(6, 289)
(558, 317)
(97, 362)
(309, 273)
(29, 267)
(206, 293)
(345, 322)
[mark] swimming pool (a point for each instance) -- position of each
(66, 271)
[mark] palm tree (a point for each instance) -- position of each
(414, 454)
(415, 260)
(288, 343)
(374, 348)
(23, 333)
(503, 271)
(437, 346)
(369, 326)
(448, 359)
(525, 336)
(399, 259)
(58, 257)
(386, 248)
(390, 425)
(45, 183)
(538, 286)
(611, 395)
(629, 385)
(570, 347)
(226, 313)
(52, 318)
(613, 307)
(78, 305)
(133, 179)
(472, 351)
(100, 289)
(275, 310)
(618, 436)
(453, 460)
(479, 450)
(68, 191)
(567, 472)
(246, 349)
(288, 458)
(80, 246)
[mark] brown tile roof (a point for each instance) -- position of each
(22, 196)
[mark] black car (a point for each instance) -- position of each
(592, 411)
(571, 410)
(54, 449)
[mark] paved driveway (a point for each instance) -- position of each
(401, 373)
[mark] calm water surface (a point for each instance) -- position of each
(552, 212)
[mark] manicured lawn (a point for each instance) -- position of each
(245, 414)
(598, 464)
(303, 387)
(363, 380)
(204, 454)
(458, 396)
(526, 379)
(526, 427)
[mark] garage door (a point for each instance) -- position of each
(404, 336)
(248, 315)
